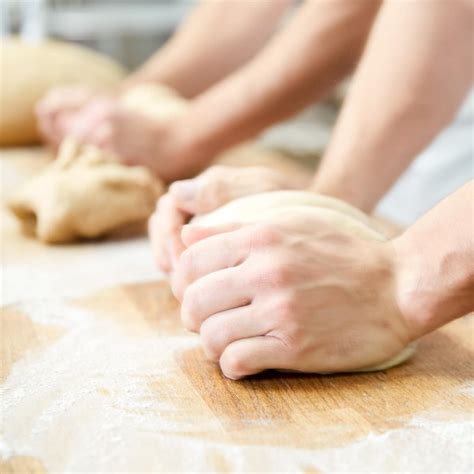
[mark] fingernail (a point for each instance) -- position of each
(184, 190)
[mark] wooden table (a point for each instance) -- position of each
(98, 375)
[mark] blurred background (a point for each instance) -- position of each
(129, 31)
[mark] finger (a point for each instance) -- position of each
(185, 193)
(214, 293)
(88, 119)
(159, 255)
(202, 194)
(192, 233)
(253, 355)
(215, 253)
(221, 329)
(165, 233)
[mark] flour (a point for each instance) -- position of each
(101, 399)
(59, 272)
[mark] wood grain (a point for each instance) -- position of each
(273, 409)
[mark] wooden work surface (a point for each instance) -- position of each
(98, 375)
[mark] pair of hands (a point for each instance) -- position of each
(97, 118)
(293, 293)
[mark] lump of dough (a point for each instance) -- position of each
(156, 101)
(29, 70)
(84, 193)
(87, 194)
(263, 206)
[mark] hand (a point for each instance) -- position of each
(135, 139)
(213, 188)
(292, 293)
(55, 111)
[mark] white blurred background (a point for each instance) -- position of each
(129, 31)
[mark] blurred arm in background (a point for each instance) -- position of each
(216, 38)
(302, 63)
(414, 75)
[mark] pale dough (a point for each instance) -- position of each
(84, 194)
(29, 70)
(260, 207)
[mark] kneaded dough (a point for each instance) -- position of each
(29, 70)
(263, 206)
(156, 101)
(84, 193)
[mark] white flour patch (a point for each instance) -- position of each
(52, 312)
(90, 391)
(61, 273)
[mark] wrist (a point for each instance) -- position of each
(190, 155)
(338, 188)
(432, 289)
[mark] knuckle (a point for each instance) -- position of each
(187, 262)
(233, 366)
(278, 275)
(190, 309)
(210, 342)
(264, 235)
(288, 305)
(213, 193)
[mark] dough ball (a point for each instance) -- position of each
(84, 193)
(155, 101)
(29, 70)
(263, 206)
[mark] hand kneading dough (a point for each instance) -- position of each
(29, 70)
(259, 207)
(84, 194)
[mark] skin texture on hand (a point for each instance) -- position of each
(211, 189)
(293, 293)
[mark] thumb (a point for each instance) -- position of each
(191, 234)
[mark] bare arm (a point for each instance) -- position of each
(412, 79)
(301, 64)
(435, 260)
(215, 39)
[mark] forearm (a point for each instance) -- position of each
(301, 64)
(413, 76)
(435, 263)
(214, 40)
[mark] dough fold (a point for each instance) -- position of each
(84, 193)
